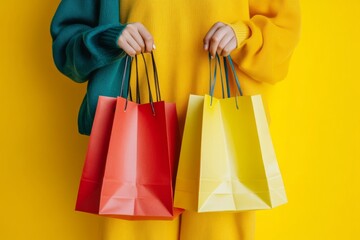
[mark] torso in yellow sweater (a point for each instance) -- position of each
(178, 28)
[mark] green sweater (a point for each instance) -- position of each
(85, 48)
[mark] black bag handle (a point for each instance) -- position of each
(226, 60)
(127, 68)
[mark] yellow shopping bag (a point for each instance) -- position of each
(227, 160)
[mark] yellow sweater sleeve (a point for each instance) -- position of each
(266, 41)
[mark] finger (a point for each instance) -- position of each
(215, 41)
(128, 44)
(123, 44)
(147, 38)
(225, 41)
(229, 47)
(134, 32)
(210, 33)
(134, 45)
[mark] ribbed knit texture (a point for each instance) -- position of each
(109, 37)
(242, 32)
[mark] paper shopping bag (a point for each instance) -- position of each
(155, 153)
(141, 162)
(227, 160)
(88, 198)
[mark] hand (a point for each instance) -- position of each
(220, 39)
(136, 39)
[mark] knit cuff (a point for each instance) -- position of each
(242, 32)
(110, 37)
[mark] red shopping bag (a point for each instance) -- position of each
(88, 198)
(139, 147)
(139, 176)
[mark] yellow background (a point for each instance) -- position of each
(315, 126)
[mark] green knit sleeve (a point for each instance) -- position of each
(80, 44)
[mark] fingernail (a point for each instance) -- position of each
(212, 57)
(205, 47)
(154, 47)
